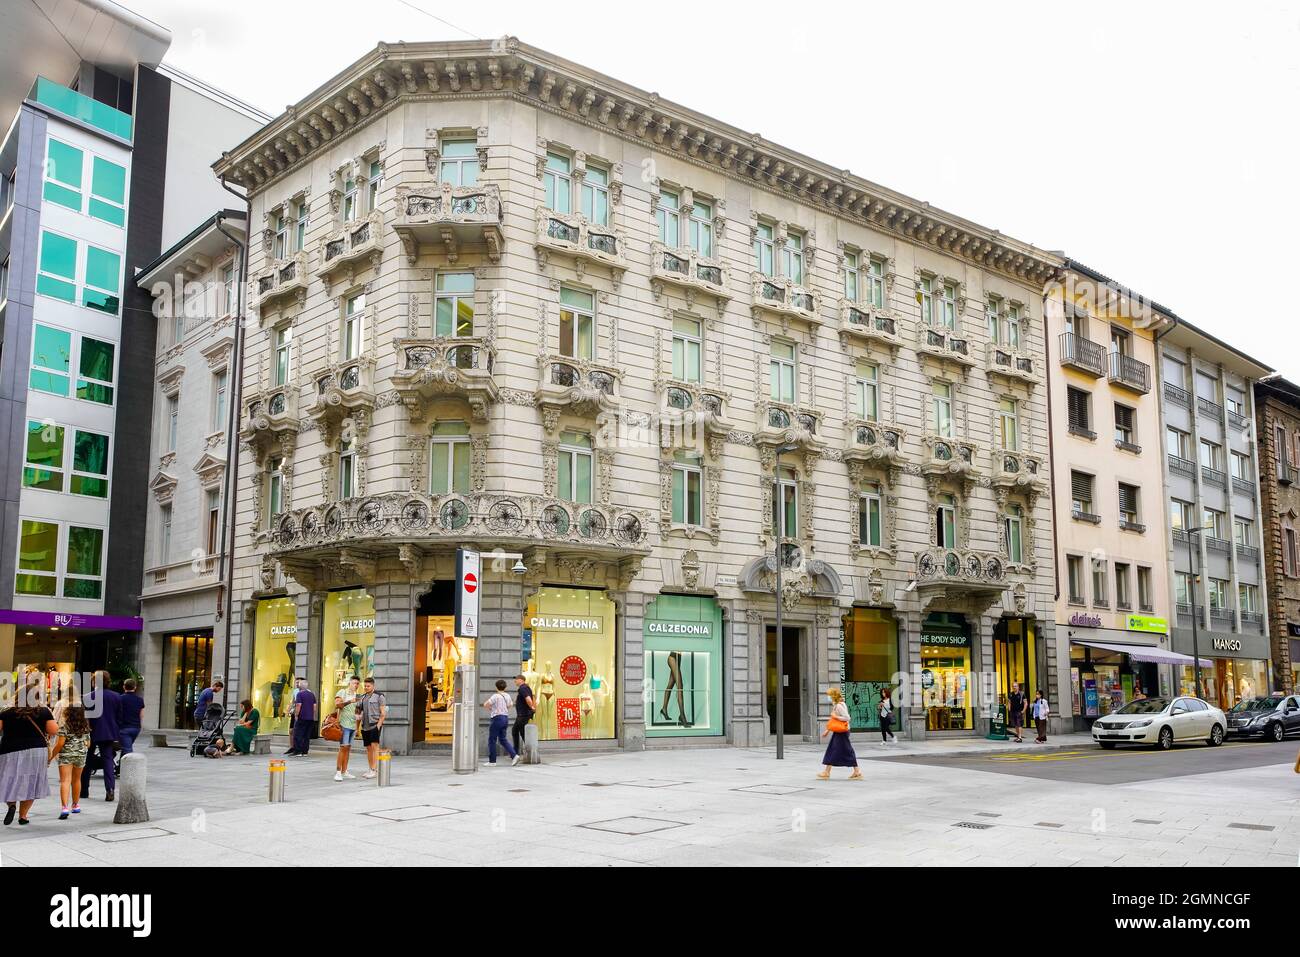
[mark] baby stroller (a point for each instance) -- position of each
(212, 726)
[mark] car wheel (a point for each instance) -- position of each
(1107, 745)
(1166, 739)
(1216, 736)
(1276, 731)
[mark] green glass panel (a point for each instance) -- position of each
(874, 515)
(42, 479)
(583, 467)
(42, 585)
(51, 348)
(82, 108)
(62, 196)
(56, 289)
(586, 343)
(455, 282)
(679, 360)
(679, 497)
(108, 181)
(58, 256)
(451, 428)
(103, 269)
(63, 164)
(438, 480)
(693, 501)
(576, 298)
(85, 547)
(45, 456)
(107, 212)
(458, 148)
(48, 382)
(692, 362)
(97, 359)
(90, 453)
(443, 311)
(94, 392)
(575, 438)
(464, 317)
(94, 487)
(566, 474)
(99, 301)
(81, 588)
(460, 467)
(39, 546)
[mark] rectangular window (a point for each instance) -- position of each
(577, 323)
(171, 420)
(1075, 565)
(97, 366)
(792, 258)
(1124, 416)
(1174, 371)
(1144, 588)
(43, 465)
(1122, 594)
(103, 282)
(595, 195)
(282, 227)
(107, 192)
(1077, 406)
(354, 311)
(925, 299)
(1211, 455)
(63, 172)
(1241, 467)
(575, 467)
(1207, 387)
(38, 559)
(349, 208)
(213, 504)
(283, 348)
(785, 504)
(686, 349)
(941, 421)
(688, 480)
(1128, 503)
(449, 459)
(347, 470)
(851, 277)
(89, 464)
(1013, 525)
(51, 360)
(300, 220)
(56, 273)
(669, 217)
(1290, 551)
(453, 304)
(876, 283)
(228, 290)
(870, 509)
(866, 392)
(1081, 493)
(1013, 327)
(1180, 515)
(1178, 443)
(781, 371)
(945, 521)
(1099, 598)
(1120, 343)
(1248, 598)
(1008, 425)
(948, 313)
(220, 384)
(459, 163)
(557, 183)
(1182, 588)
(1217, 593)
(993, 319)
(374, 181)
(275, 488)
(1235, 401)
(83, 570)
(1214, 523)
(1243, 532)
(699, 231)
(765, 249)
(164, 534)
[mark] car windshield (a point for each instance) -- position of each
(1257, 704)
(1145, 706)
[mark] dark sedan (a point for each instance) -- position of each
(1272, 718)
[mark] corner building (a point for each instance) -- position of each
(497, 299)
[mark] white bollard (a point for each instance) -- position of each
(131, 779)
(532, 753)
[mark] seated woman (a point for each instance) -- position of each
(245, 728)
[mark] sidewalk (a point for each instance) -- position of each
(871, 747)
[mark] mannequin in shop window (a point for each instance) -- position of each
(547, 686)
(675, 681)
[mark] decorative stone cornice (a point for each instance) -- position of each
(393, 73)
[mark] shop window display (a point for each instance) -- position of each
(946, 673)
(568, 660)
(683, 666)
(275, 648)
(869, 661)
(347, 641)
(1228, 681)
(187, 670)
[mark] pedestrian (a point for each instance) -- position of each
(498, 707)
(1016, 711)
(25, 729)
(372, 712)
(206, 697)
(303, 713)
(102, 705)
(525, 708)
(345, 709)
(1041, 711)
(129, 709)
(71, 745)
(886, 717)
(839, 753)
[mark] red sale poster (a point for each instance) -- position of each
(568, 718)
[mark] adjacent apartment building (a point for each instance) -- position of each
(98, 175)
(1277, 425)
(498, 299)
(1112, 567)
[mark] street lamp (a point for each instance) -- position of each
(1191, 593)
(779, 507)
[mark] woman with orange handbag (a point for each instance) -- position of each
(839, 753)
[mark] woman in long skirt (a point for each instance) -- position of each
(839, 753)
(24, 752)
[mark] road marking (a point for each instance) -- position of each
(1092, 755)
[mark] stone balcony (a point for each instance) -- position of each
(446, 367)
(577, 386)
(691, 413)
(344, 389)
(409, 527)
(782, 424)
(868, 324)
(876, 445)
(450, 216)
(351, 249)
(584, 242)
(284, 279)
(1011, 365)
(950, 458)
(269, 414)
(686, 269)
(785, 299)
(1019, 471)
(960, 574)
(944, 344)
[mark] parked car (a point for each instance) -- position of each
(1161, 722)
(1272, 717)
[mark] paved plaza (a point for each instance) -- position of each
(963, 802)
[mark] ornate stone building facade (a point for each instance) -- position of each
(1277, 426)
(497, 299)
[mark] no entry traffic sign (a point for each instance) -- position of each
(467, 581)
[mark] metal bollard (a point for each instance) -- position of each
(532, 752)
(385, 767)
(275, 790)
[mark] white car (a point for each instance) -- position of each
(1161, 722)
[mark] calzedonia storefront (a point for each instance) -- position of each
(347, 641)
(275, 657)
(682, 636)
(569, 645)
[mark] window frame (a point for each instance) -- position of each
(876, 281)
(777, 366)
(690, 343)
(864, 386)
(765, 249)
(557, 183)
(1074, 576)
(792, 256)
(460, 162)
(785, 503)
(852, 277)
(871, 495)
(455, 442)
(589, 193)
(945, 520)
(346, 486)
(578, 314)
(574, 452)
(1008, 419)
(353, 333)
(281, 355)
(688, 470)
(700, 226)
(945, 402)
(1013, 520)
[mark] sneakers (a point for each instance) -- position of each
(76, 809)
(515, 760)
(63, 815)
(369, 774)
(489, 764)
(338, 775)
(348, 775)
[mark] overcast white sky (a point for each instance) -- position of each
(1156, 142)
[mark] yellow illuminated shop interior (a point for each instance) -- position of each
(438, 652)
(275, 645)
(347, 641)
(568, 661)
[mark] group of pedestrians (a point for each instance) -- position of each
(356, 710)
(80, 734)
(498, 709)
(1019, 707)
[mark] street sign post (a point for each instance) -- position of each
(469, 585)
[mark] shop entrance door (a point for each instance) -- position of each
(792, 688)
(435, 654)
(187, 670)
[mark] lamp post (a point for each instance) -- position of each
(1191, 591)
(778, 506)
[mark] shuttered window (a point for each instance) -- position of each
(1078, 403)
(1081, 491)
(1128, 502)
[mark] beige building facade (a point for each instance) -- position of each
(498, 300)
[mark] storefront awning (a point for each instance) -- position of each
(1157, 656)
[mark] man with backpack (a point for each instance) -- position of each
(1016, 711)
(371, 713)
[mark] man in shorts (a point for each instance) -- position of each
(1016, 711)
(345, 705)
(372, 712)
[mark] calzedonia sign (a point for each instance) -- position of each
(565, 624)
(356, 624)
(698, 630)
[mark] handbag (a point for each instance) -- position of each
(330, 729)
(836, 725)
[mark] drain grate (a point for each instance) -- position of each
(973, 825)
(1252, 827)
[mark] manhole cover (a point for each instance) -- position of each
(138, 834)
(973, 825)
(633, 826)
(417, 812)
(771, 789)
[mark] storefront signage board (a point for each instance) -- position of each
(1147, 623)
(468, 588)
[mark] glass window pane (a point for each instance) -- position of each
(90, 453)
(108, 181)
(464, 317)
(565, 475)
(38, 548)
(455, 282)
(103, 269)
(59, 256)
(84, 550)
(44, 469)
(63, 164)
(679, 496)
(576, 298)
(586, 343)
(583, 464)
(460, 467)
(442, 313)
(438, 481)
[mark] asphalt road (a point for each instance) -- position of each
(1123, 765)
